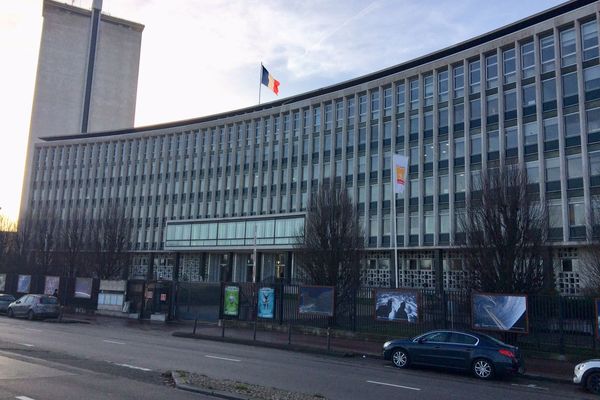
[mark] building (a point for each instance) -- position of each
(198, 190)
(87, 74)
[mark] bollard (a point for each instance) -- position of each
(289, 334)
(222, 328)
(195, 324)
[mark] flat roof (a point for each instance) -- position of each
(470, 43)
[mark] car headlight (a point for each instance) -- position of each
(387, 344)
(579, 366)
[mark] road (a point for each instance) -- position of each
(122, 360)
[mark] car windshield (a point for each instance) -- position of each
(48, 300)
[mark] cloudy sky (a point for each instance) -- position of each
(201, 57)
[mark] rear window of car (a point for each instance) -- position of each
(460, 338)
(48, 300)
(6, 297)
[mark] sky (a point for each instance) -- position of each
(201, 57)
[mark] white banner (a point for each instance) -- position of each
(399, 171)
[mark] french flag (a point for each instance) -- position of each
(270, 82)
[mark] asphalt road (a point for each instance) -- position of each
(115, 359)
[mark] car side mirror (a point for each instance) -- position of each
(18, 301)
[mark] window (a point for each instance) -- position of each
(550, 126)
(428, 152)
(444, 184)
(555, 214)
(491, 71)
(387, 101)
(400, 97)
(362, 108)
(527, 60)
(595, 163)
(533, 171)
(572, 127)
(492, 105)
(547, 56)
(530, 132)
(589, 37)
(414, 188)
(414, 223)
(574, 169)
(593, 120)
(414, 155)
(475, 179)
(475, 109)
(591, 78)
(511, 137)
(529, 95)
(429, 186)
(375, 104)
(576, 212)
(414, 124)
(459, 147)
(510, 100)
(569, 84)
(459, 81)
(552, 169)
(428, 121)
(414, 94)
(443, 117)
(475, 145)
(429, 222)
(474, 77)
(567, 47)
(459, 113)
(493, 141)
(548, 90)
(444, 221)
(443, 86)
(508, 57)
(428, 90)
(443, 150)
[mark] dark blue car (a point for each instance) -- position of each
(481, 354)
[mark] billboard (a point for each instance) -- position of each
(52, 283)
(2, 282)
(231, 301)
(397, 305)
(23, 283)
(318, 300)
(500, 312)
(266, 303)
(83, 288)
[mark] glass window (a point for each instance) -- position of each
(533, 171)
(428, 186)
(576, 212)
(459, 113)
(552, 169)
(443, 150)
(529, 95)
(474, 76)
(567, 47)
(414, 223)
(362, 108)
(510, 100)
(429, 222)
(414, 94)
(459, 182)
(493, 141)
(475, 109)
(591, 78)
(428, 90)
(569, 84)
(593, 120)
(527, 60)
(444, 221)
(414, 124)
(475, 144)
(400, 97)
(547, 56)
(428, 151)
(511, 137)
(555, 214)
(572, 127)
(414, 188)
(459, 147)
(530, 132)
(491, 71)
(444, 184)
(350, 113)
(459, 81)
(550, 129)
(508, 57)
(589, 37)
(443, 117)
(574, 169)
(414, 155)
(443, 86)
(595, 163)
(400, 129)
(492, 105)
(428, 121)
(387, 101)
(548, 90)
(475, 179)
(375, 104)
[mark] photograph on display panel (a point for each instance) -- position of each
(52, 283)
(500, 312)
(231, 301)
(397, 305)
(83, 288)
(23, 283)
(317, 300)
(2, 282)
(597, 306)
(266, 303)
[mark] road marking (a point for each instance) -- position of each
(530, 386)
(223, 358)
(113, 342)
(33, 329)
(26, 344)
(390, 384)
(23, 398)
(134, 367)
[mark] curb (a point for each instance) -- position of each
(195, 389)
(544, 378)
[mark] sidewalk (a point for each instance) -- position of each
(536, 368)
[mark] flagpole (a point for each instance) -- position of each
(260, 82)
(395, 224)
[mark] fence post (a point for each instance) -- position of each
(289, 333)
(560, 326)
(594, 326)
(328, 339)
(281, 302)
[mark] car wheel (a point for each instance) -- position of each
(30, 315)
(592, 382)
(400, 358)
(11, 313)
(483, 369)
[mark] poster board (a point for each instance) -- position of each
(83, 288)
(266, 303)
(397, 305)
(24, 284)
(316, 300)
(500, 312)
(52, 284)
(2, 282)
(231, 301)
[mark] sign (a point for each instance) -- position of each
(231, 301)
(163, 297)
(500, 312)
(23, 283)
(399, 172)
(317, 300)
(52, 284)
(397, 305)
(266, 303)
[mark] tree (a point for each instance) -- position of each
(44, 232)
(331, 249)
(74, 233)
(504, 234)
(589, 255)
(7, 239)
(110, 235)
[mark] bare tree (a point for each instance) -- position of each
(44, 235)
(589, 255)
(109, 242)
(74, 233)
(331, 249)
(504, 234)
(7, 239)
(22, 257)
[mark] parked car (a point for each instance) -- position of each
(5, 300)
(481, 354)
(587, 374)
(34, 306)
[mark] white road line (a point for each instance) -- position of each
(223, 358)
(133, 367)
(33, 329)
(23, 398)
(530, 386)
(26, 344)
(390, 384)
(113, 342)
